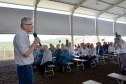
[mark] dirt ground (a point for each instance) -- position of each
(76, 76)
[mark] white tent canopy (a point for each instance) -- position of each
(52, 23)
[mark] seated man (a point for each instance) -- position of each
(105, 48)
(57, 54)
(71, 51)
(46, 60)
(91, 56)
(40, 53)
(99, 52)
(64, 58)
(111, 49)
(84, 52)
(52, 49)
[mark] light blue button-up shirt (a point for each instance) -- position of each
(21, 46)
(47, 56)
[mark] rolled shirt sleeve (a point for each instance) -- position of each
(123, 45)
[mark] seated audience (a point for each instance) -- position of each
(91, 56)
(64, 58)
(84, 52)
(111, 49)
(99, 52)
(57, 54)
(105, 48)
(37, 61)
(88, 45)
(52, 49)
(46, 60)
(71, 50)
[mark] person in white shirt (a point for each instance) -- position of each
(81, 47)
(84, 52)
(46, 60)
(91, 56)
(120, 46)
(111, 50)
(23, 52)
(71, 50)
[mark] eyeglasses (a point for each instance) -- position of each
(29, 24)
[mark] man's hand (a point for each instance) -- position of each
(37, 40)
(41, 63)
(82, 56)
(89, 56)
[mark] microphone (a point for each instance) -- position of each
(35, 35)
(116, 34)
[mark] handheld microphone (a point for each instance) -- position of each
(35, 35)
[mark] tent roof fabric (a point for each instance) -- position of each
(90, 7)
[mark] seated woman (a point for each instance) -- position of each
(91, 56)
(64, 58)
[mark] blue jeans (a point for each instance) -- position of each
(88, 63)
(37, 62)
(112, 53)
(42, 67)
(98, 56)
(63, 61)
(71, 57)
(25, 74)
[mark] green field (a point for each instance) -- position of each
(7, 49)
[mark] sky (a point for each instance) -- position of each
(10, 37)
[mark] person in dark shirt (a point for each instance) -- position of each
(57, 54)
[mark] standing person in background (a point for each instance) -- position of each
(120, 46)
(23, 52)
(67, 42)
(78, 46)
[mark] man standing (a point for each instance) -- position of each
(120, 47)
(23, 52)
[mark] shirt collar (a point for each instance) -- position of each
(24, 32)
